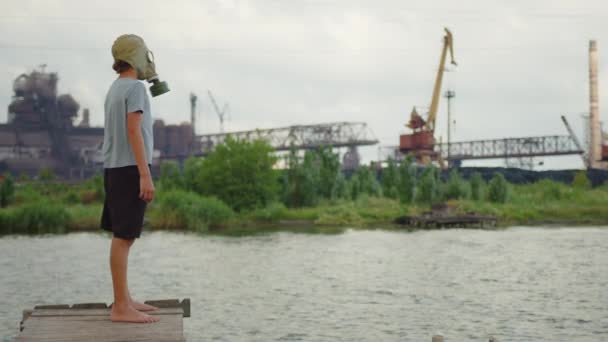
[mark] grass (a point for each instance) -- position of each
(546, 202)
(56, 208)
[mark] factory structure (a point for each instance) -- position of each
(41, 132)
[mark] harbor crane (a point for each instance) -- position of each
(220, 113)
(421, 142)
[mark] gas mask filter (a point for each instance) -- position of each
(132, 49)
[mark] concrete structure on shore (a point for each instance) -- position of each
(595, 127)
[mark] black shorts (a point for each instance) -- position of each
(123, 210)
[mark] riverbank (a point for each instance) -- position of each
(528, 205)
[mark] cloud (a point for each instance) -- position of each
(521, 64)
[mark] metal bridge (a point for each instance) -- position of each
(551, 145)
(302, 137)
(335, 134)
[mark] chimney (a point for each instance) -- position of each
(595, 146)
(193, 112)
(85, 118)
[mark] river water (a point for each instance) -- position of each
(518, 284)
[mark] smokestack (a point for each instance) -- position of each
(595, 146)
(193, 112)
(85, 118)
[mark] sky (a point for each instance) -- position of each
(521, 64)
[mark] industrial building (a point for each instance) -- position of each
(41, 132)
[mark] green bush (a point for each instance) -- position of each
(46, 174)
(35, 218)
(70, 197)
(581, 181)
(456, 187)
(7, 190)
(550, 190)
(340, 215)
(178, 209)
(240, 173)
(272, 212)
(498, 189)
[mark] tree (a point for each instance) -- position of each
(301, 180)
(170, 176)
(390, 180)
(477, 184)
(341, 190)
(240, 173)
(192, 167)
(498, 189)
(354, 186)
(429, 185)
(456, 187)
(329, 168)
(407, 180)
(367, 181)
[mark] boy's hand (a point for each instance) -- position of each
(146, 188)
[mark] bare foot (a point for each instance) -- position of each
(142, 307)
(131, 315)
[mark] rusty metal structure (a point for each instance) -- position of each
(302, 137)
(40, 132)
(523, 148)
(176, 142)
(421, 142)
(552, 145)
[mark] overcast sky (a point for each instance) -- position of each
(521, 64)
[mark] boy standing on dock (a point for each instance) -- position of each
(127, 150)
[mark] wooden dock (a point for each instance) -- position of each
(442, 217)
(452, 221)
(91, 322)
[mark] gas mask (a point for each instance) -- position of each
(132, 49)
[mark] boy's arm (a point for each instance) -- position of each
(136, 141)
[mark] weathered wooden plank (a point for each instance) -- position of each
(89, 306)
(53, 306)
(98, 312)
(99, 328)
(91, 322)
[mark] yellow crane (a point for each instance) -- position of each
(421, 142)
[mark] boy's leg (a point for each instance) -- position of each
(122, 310)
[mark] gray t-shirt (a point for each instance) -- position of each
(126, 95)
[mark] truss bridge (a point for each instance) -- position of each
(551, 145)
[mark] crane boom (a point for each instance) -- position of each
(576, 141)
(447, 44)
(219, 113)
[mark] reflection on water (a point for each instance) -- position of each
(520, 284)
